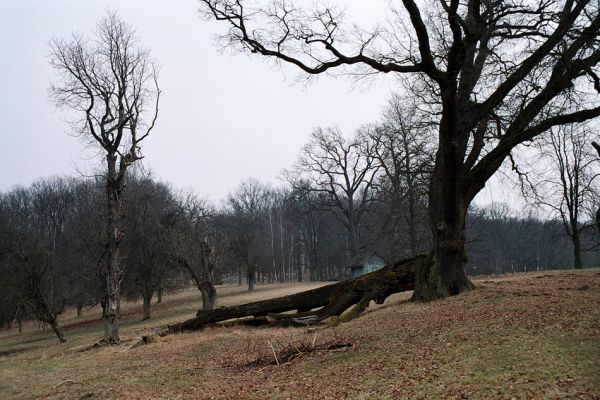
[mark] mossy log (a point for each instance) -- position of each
(318, 304)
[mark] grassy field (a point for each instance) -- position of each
(520, 336)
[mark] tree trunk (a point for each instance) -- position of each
(209, 295)
(446, 275)
(79, 310)
(159, 294)
(112, 311)
(114, 269)
(147, 301)
(577, 262)
(332, 299)
(251, 278)
(598, 221)
(57, 330)
(597, 147)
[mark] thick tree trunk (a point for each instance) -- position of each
(577, 261)
(598, 221)
(159, 294)
(209, 295)
(597, 147)
(330, 300)
(446, 274)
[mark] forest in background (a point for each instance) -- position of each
(341, 199)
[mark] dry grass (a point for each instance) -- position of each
(516, 336)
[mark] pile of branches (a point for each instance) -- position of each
(261, 354)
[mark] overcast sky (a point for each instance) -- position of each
(222, 118)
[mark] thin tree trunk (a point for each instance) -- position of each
(57, 330)
(251, 277)
(159, 295)
(281, 245)
(147, 300)
(114, 271)
(79, 310)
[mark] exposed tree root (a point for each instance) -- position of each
(324, 302)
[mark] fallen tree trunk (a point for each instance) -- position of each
(318, 304)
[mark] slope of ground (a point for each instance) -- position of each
(533, 335)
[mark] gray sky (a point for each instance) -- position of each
(222, 117)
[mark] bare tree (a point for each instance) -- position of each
(494, 73)
(247, 209)
(567, 183)
(111, 82)
(344, 171)
(151, 211)
(404, 144)
(191, 235)
(30, 241)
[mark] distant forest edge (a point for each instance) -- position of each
(54, 232)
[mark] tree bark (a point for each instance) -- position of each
(251, 277)
(331, 300)
(114, 269)
(597, 147)
(147, 300)
(577, 262)
(446, 275)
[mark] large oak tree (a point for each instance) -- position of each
(495, 73)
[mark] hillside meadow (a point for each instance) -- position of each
(517, 336)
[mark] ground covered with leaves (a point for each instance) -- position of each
(523, 336)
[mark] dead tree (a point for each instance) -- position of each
(318, 304)
(493, 75)
(112, 83)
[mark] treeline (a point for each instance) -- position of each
(53, 241)
(342, 198)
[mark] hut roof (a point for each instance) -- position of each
(361, 259)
